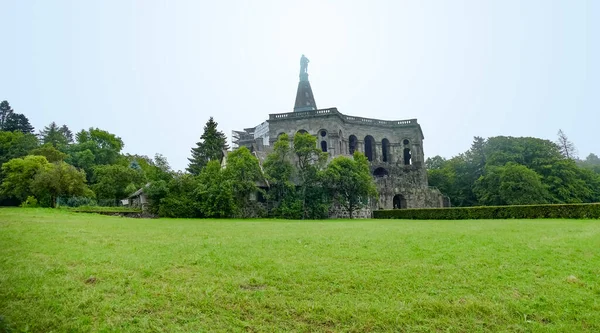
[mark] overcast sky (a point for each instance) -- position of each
(153, 72)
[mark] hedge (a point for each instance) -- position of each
(561, 211)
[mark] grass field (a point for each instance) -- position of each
(62, 271)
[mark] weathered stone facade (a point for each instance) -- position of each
(393, 147)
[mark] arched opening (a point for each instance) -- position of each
(407, 156)
(324, 146)
(369, 147)
(380, 172)
(352, 143)
(385, 149)
(399, 201)
(302, 131)
(341, 151)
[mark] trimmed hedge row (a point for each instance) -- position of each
(562, 211)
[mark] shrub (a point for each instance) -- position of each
(567, 211)
(30, 202)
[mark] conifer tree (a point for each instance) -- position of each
(55, 135)
(210, 148)
(11, 121)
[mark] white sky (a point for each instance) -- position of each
(153, 72)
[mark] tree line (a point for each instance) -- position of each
(517, 171)
(57, 167)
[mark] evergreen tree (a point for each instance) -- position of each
(567, 148)
(5, 112)
(18, 122)
(210, 148)
(11, 121)
(67, 134)
(54, 135)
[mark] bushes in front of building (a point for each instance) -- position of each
(566, 211)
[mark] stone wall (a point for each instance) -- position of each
(338, 128)
(338, 212)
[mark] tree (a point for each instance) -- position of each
(54, 135)
(11, 121)
(512, 184)
(111, 181)
(94, 147)
(18, 175)
(15, 144)
(52, 154)
(66, 133)
(5, 112)
(310, 162)
(215, 191)
(435, 163)
(350, 182)
(59, 180)
(279, 170)
(591, 162)
(210, 148)
(244, 172)
(18, 122)
(180, 200)
(567, 148)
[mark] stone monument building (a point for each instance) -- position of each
(393, 147)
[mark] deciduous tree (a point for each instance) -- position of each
(18, 175)
(350, 182)
(245, 174)
(59, 180)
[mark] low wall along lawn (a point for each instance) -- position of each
(563, 211)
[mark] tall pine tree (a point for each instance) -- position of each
(5, 112)
(210, 148)
(55, 135)
(11, 121)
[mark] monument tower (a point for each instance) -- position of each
(305, 100)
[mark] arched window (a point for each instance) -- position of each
(302, 131)
(369, 147)
(399, 201)
(324, 146)
(352, 143)
(407, 156)
(380, 172)
(385, 150)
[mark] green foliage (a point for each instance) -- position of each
(59, 179)
(18, 175)
(57, 136)
(15, 145)
(310, 162)
(30, 202)
(560, 211)
(489, 168)
(209, 148)
(155, 192)
(180, 200)
(11, 121)
(116, 181)
(245, 174)
(350, 182)
(50, 152)
(215, 192)
(512, 184)
(103, 146)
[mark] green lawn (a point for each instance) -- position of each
(63, 271)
